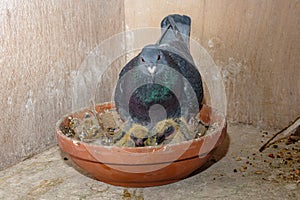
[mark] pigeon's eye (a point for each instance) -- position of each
(143, 59)
(158, 57)
(133, 137)
(169, 131)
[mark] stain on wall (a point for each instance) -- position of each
(42, 44)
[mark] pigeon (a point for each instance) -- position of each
(134, 137)
(171, 131)
(162, 74)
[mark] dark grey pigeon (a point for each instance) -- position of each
(161, 74)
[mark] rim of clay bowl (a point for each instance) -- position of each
(221, 124)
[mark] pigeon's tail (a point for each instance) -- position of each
(175, 27)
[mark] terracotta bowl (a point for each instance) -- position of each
(143, 166)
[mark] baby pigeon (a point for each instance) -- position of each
(172, 131)
(134, 137)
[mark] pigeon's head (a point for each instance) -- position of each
(138, 134)
(165, 130)
(150, 58)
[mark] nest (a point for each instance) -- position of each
(106, 128)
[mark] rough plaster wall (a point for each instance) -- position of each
(42, 45)
(256, 44)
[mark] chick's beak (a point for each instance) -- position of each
(160, 138)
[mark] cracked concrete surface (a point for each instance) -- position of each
(51, 175)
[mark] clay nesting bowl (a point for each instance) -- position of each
(143, 166)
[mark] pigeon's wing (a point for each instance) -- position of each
(188, 70)
(123, 88)
(175, 47)
(177, 53)
(130, 65)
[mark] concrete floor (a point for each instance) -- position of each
(237, 171)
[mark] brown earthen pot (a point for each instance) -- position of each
(143, 166)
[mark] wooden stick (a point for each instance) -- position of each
(287, 130)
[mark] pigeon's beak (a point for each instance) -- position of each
(152, 71)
